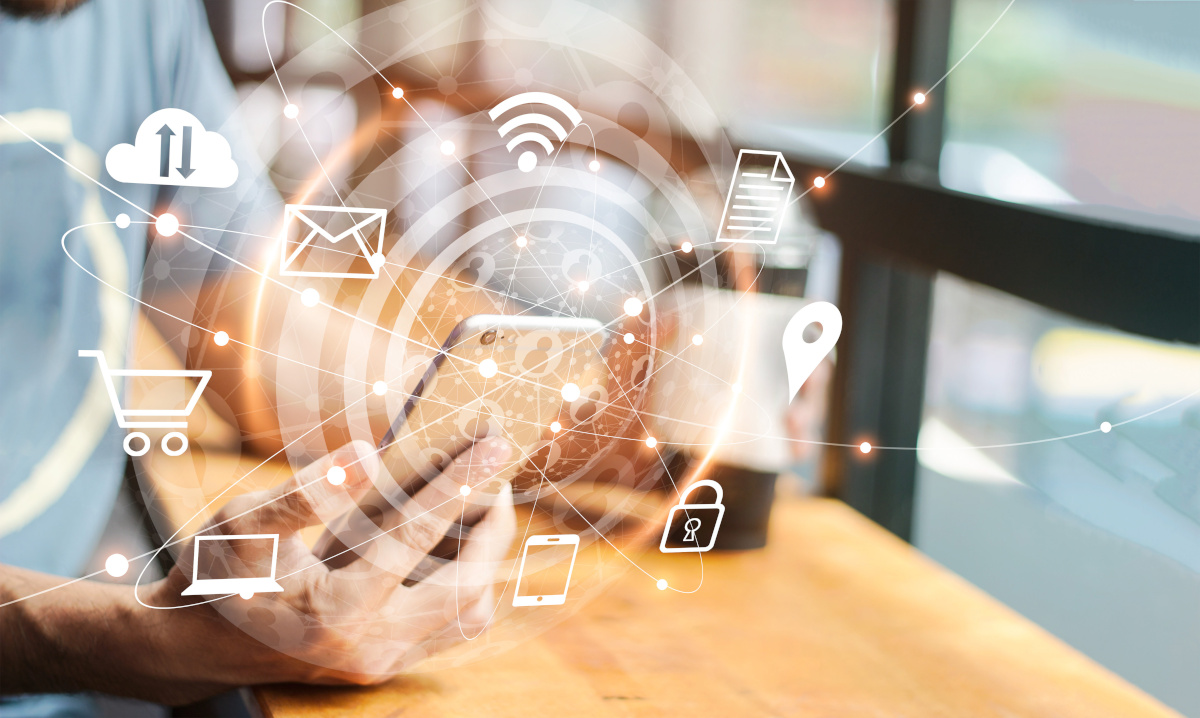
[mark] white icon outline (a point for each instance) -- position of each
(296, 212)
(528, 160)
(172, 148)
(246, 585)
(684, 507)
(138, 418)
(802, 357)
(554, 599)
(743, 206)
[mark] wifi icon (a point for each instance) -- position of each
(530, 120)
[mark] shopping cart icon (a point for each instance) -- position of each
(150, 418)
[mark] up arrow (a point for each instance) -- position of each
(164, 153)
(185, 168)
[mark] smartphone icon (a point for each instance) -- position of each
(546, 566)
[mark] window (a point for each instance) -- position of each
(1071, 103)
(1096, 537)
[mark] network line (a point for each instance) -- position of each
(912, 106)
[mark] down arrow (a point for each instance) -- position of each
(186, 168)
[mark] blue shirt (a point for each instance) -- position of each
(80, 84)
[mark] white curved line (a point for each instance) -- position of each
(534, 98)
(534, 118)
(911, 106)
(531, 137)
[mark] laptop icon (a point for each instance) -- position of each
(216, 566)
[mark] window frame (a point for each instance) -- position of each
(899, 227)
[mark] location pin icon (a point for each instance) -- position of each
(803, 357)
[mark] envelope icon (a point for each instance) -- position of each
(337, 242)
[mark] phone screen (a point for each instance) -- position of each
(546, 569)
(456, 404)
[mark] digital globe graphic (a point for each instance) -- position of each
(536, 269)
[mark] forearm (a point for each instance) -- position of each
(89, 636)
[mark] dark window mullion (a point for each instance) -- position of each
(879, 383)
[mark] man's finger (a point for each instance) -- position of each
(319, 492)
(399, 543)
(424, 520)
(486, 546)
(442, 598)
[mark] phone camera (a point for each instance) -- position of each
(488, 337)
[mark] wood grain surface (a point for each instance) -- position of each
(835, 618)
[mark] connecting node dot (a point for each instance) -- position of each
(651, 442)
(594, 166)
(697, 339)
(246, 595)
(819, 182)
(629, 337)
(686, 247)
(122, 220)
(555, 427)
(377, 260)
(310, 297)
(290, 111)
(379, 387)
(336, 475)
(522, 241)
(464, 490)
(167, 224)
(584, 286)
(737, 387)
(662, 584)
(919, 98)
(447, 147)
(397, 93)
(633, 306)
(488, 368)
(865, 447)
(1105, 427)
(570, 392)
(221, 338)
(116, 565)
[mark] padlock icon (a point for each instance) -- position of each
(695, 516)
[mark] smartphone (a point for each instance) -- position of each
(545, 573)
(496, 375)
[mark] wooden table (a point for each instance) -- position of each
(835, 618)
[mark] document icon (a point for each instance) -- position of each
(314, 241)
(758, 198)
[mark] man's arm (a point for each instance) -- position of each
(356, 624)
(90, 636)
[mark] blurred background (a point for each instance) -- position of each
(1018, 259)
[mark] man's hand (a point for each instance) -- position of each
(358, 623)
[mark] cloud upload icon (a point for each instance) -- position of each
(173, 148)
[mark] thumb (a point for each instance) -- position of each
(326, 488)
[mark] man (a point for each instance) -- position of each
(77, 78)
